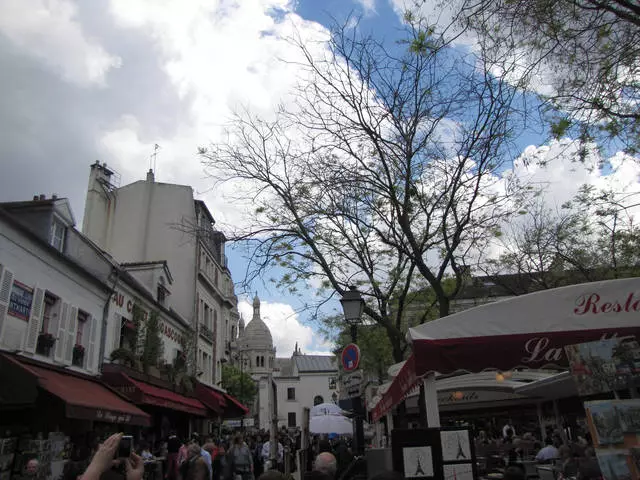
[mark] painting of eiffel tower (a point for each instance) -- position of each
(455, 445)
(418, 462)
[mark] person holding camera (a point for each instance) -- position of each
(104, 460)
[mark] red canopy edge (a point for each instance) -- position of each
(506, 352)
(403, 383)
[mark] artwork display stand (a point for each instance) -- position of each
(445, 453)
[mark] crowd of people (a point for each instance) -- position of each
(569, 458)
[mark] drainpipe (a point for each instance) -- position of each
(105, 320)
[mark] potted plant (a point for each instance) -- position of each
(123, 356)
(78, 355)
(46, 341)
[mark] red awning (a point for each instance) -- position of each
(84, 396)
(234, 407)
(210, 398)
(528, 331)
(143, 393)
(403, 383)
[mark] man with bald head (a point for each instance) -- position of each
(326, 463)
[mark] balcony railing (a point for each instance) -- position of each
(206, 332)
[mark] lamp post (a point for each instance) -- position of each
(353, 306)
(242, 360)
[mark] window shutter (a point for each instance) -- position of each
(62, 332)
(117, 327)
(90, 354)
(72, 328)
(54, 321)
(35, 321)
(6, 282)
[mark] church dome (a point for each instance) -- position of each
(256, 334)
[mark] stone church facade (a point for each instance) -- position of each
(294, 383)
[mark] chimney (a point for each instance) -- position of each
(43, 197)
(54, 196)
(150, 176)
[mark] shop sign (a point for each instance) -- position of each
(124, 302)
(20, 301)
(112, 417)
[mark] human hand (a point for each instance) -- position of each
(103, 458)
(135, 467)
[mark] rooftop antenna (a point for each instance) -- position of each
(154, 157)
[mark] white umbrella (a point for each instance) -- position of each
(326, 409)
(331, 424)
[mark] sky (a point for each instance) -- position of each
(108, 79)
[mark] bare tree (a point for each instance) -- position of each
(581, 56)
(385, 172)
(592, 238)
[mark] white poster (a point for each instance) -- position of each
(418, 462)
(455, 445)
(460, 471)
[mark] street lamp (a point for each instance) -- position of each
(353, 306)
(243, 361)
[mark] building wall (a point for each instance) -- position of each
(37, 267)
(307, 387)
(121, 309)
(149, 221)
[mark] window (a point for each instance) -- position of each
(161, 294)
(317, 400)
(291, 419)
(291, 393)
(50, 311)
(82, 321)
(57, 235)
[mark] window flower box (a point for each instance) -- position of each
(45, 343)
(78, 355)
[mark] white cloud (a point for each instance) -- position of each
(219, 56)
(49, 30)
(369, 6)
(286, 329)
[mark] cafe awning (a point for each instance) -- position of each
(528, 331)
(84, 397)
(211, 398)
(143, 393)
(234, 407)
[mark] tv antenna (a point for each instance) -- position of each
(154, 158)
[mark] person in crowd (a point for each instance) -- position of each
(324, 445)
(173, 449)
(195, 439)
(240, 459)
(343, 455)
(194, 467)
(257, 457)
(266, 455)
(568, 464)
(145, 452)
(327, 464)
(548, 453)
(588, 467)
(219, 463)
(505, 430)
(103, 461)
(31, 469)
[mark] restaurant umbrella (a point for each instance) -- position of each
(326, 409)
(331, 424)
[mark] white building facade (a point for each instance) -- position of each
(51, 307)
(146, 222)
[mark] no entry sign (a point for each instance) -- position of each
(350, 357)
